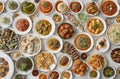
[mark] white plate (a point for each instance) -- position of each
(35, 53)
(11, 65)
(104, 24)
(92, 43)
(60, 41)
(22, 17)
(106, 43)
(116, 2)
(44, 18)
(9, 10)
(71, 76)
(24, 72)
(52, 66)
(80, 4)
(105, 61)
(69, 63)
(8, 16)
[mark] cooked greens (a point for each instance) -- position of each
(28, 7)
(24, 64)
(12, 5)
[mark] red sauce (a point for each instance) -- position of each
(22, 24)
(75, 6)
(43, 76)
(109, 7)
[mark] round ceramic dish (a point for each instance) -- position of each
(24, 72)
(18, 3)
(39, 44)
(44, 18)
(92, 43)
(22, 32)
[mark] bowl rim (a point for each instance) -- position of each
(2, 1)
(17, 1)
(81, 3)
(29, 2)
(117, 12)
(92, 42)
(22, 17)
(60, 41)
(104, 24)
(30, 55)
(24, 72)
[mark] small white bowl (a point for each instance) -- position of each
(17, 1)
(104, 24)
(2, 1)
(71, 76)
(96, 12)
(60, 41)
(65, 3)
(98, 75)
(59, 15)
(35, 53)
(107, 45)
(58, 73)
(12, 54)
(8, 16)
(118, 8)
(30, 2)
(80, 4)
(51, 1)
(24, 72)
(28, 29)
(69, 63)
(91, 46)
(109, 77)
(52, 65)
(44, 18)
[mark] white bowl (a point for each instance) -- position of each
(60, 41)
(61, 17)
(107, 45)
(22, 17)
(69, 63)
(71, 76)
(58, 73)
(80, 4)
(34, 10)
(8, 16)
(104, 24)
(109, 77)
(44, 18)
(51, 1)
(35, 53)
(17, 1)
(12, 54)
(96, 12)
(98, 75)
(65, 3)
(91, 46)
(2, 1)
(24, 72)
(118, 8)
